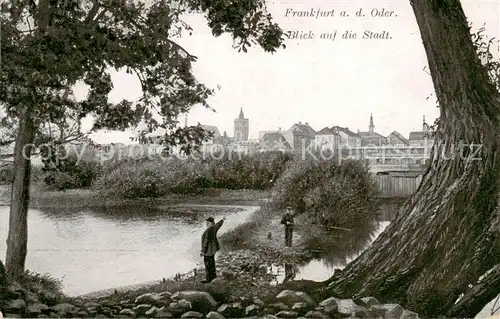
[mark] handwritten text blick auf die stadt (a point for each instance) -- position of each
(318, 13)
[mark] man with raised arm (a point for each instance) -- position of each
(209, 246)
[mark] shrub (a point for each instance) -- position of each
(147, 178)
(45, 287)
(7, 174)
(71, 173)
(254, 171)
(329, 193)
(156, 177)
(41, 283)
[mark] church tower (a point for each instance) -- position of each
(425, 126)
(371, 128)
(241, 127)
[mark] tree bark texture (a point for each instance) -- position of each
(446, 236)
(17, 240)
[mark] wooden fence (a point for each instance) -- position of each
(397, 184)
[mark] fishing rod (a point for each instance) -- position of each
(331, 227)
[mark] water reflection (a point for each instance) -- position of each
(290, 271)
(335, 249)
(128, 213)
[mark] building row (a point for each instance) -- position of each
(301, 138)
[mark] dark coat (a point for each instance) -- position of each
(287, 218)
(209, 242)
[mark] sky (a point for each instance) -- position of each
(318, 81)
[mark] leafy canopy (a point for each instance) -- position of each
(48, 46)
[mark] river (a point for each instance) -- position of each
(100, 248)
(95, 249)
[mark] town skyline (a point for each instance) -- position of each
(316, 81)
(255, 133)
(370, 122)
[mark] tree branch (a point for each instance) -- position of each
(177, 46)
(93, 12)
(16, 11)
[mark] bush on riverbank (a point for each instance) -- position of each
(70, 167)
(65, 173)
(46, 287)
(31, 285)
(329, 193)
(72, 174)
(7, 174)
(157, 177)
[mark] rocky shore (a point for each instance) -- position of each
(247, 287)
(201, 304)
(244, 289)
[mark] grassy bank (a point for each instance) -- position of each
(42, 197)
(264, 234)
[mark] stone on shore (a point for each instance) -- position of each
(16, 305)
(215, 315)
(278, 306)
(192, 314)
(127, 312)
(200, 301)
(234, 310)
(301, 307)
(65, 308)
(407, 314)
(388, 311)
(290, 297)
(252, 310)
(151, 313)
(37, 309)
(287, 314)
(140, 310)
(177, 308)
(329, 305)
(162, 313)
(367, 302)
(316, 314)
(149, 298)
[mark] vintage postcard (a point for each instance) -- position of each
(249, 159)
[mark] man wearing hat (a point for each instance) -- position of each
(209, 246)
(288, 221)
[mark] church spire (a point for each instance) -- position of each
(371, 127)
(242, 116)
(425, 126)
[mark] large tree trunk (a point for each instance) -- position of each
(447, 234)
(17, 241)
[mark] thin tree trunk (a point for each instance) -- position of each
(17, 240)
(447, 234)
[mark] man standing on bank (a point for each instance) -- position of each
(288, 221)
(209, 246)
